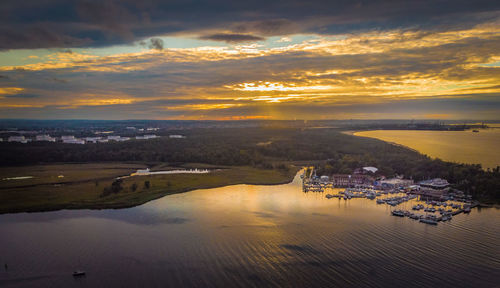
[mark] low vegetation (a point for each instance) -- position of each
(86, 193)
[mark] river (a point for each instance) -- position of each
(454, 146)
(249, 236)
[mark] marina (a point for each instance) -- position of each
(433, 197)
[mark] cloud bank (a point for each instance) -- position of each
(376, 59)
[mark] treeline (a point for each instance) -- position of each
(265, 148)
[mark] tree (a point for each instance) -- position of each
(116, 186)
(133, 187)
(147, 184)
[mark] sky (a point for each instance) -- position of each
(238, 60)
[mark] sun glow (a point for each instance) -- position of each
(275, 86)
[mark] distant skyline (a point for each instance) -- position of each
(232, 60)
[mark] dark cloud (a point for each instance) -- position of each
(232, 38)
(38, 36)
(153, 43)
(27, 96)
(156, 43)
(80, 23)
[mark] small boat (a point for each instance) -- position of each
(380, 201)
(467, 210)
(78, 273)
(398, 213)
(446, 217)
(475, 131)
(429, 220)
(414, 216)
(329, 196)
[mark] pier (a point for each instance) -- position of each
(439, 206)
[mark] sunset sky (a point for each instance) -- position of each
(226, 59)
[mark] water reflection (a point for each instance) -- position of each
(456, 146)
(247, 235)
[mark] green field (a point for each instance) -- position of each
(83, 185)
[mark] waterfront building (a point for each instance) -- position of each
(436, 187)
(370, 169)
(436, 183)
(345, 180)
(365, 170)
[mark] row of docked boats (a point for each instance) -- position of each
(350, 193)
(418, 207)
(394, 201)
(427, 219)
(450, 205)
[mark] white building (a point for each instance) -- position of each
(370, 169)
(67, 137)
(74, 141)
(45, 138)
(145, 137)
(118, 138)
(176, 136)
(20, 139)
(92, 139)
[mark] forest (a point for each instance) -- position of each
(266, 148)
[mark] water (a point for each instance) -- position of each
(455, 146)
(249, 236)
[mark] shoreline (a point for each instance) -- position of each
(84, 195)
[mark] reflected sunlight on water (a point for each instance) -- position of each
(246, 235)
(455, 146)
